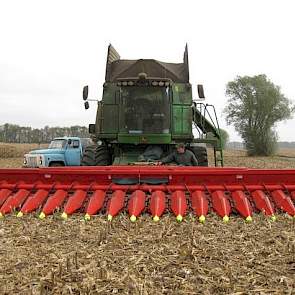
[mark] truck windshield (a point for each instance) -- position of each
(145, 110)
(57, 144)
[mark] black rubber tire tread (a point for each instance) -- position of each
(95, 155)
(56, 164)
(201, 154)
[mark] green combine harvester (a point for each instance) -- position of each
(146, 109)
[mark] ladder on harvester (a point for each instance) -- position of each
(208, 126)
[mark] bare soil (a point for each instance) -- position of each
(284, 159)
(96, 257)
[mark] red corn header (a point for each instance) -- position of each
(156, 190)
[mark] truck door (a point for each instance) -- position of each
(73, 153)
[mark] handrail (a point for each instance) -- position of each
(205, 123)
(211, 123)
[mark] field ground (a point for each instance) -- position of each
(73, 257)
(10, 150)
(284, 159)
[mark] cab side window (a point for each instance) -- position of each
(74, 144)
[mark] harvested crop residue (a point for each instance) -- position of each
(17, 150)
(11, 163)
(97, 257)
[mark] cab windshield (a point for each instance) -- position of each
(57, 144)
(145, 110)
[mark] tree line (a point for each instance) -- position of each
(11, 133)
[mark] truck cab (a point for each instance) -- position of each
(62, 151)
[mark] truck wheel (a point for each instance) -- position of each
(56, 164)
(95, 155)
(201, 154)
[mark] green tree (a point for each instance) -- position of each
(224, 137)
(254, 106)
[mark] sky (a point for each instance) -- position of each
(50, 49)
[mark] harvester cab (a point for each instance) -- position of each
(147, 106)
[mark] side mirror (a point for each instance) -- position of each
(201, 91)
(86, 105)
(69, 141)
(91, 128)
(85, 92)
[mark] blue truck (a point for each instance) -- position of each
(62, 151)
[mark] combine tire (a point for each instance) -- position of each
(95, 155)
(201, 154)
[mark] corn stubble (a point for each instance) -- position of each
(97, 257)
(75, 256)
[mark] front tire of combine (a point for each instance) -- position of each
(201, 154)
(95, 155)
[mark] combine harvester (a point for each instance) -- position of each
(146, 109)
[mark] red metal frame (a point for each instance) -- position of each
(226, 188)
(228, 178)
